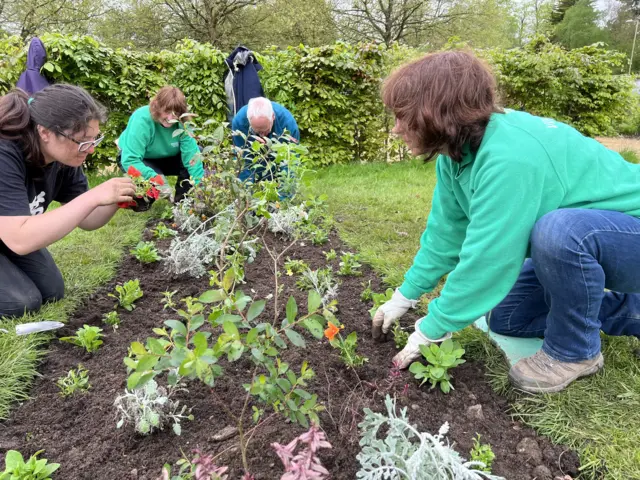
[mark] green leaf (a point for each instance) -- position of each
(302, 419)
(302, 393)
(178, 326)
(13, 459)
(284, 384)
(196, 322)
(292, 405)
(134, 378)
(147, 362)
(231, 329)
(314, 301)
(295, 337)
(48, 66)
(160, 331)
(235, 352)
(200, 342)
(315, 328)
(155, 346)
(255, 309)
(251, 336)
(257, 354)
(212, 296)
(292, 310)
(138, 349)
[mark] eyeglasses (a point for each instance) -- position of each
(84, 146)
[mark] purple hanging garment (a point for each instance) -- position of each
(31, 80)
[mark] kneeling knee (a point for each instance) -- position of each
(55, 289)
(16, 304)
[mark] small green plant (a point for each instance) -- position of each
(294, 267)
(33, 469)
(367, 293)
(162, 231)
(112, 319)
(319, 237)
(77, 380)
(330, 255)
(482, 453)
(86, 337)
(128, 294)
(349, 264)
(167, 212)
(400, 336)
(347, 346)
(379, 299)
(321, 281)
(441, 359)
(146, 252)
(167, 299)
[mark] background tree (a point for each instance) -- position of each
(579, 26)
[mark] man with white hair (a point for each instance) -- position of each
(259, 120)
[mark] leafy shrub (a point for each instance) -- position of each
(394, 448)
(33, 469)
(128, 293)
(146, 252)
(162, 231)
(349, 264)
(441, 358)
(86, 337)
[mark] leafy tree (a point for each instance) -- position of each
(532, 18)
(579, 27)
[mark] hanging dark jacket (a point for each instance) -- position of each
(31, 80)
(242, 82)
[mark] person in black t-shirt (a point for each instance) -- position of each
(44, 140)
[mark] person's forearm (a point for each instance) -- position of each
(40, 231)
(99, 217)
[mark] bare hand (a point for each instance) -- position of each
(114, 191)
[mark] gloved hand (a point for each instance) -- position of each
(388, 313)
(411, 352)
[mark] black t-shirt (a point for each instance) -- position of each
(27, 191)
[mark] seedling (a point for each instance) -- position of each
(330, 255)
(201, 466)
(77, 380)
(349, 264)
(482, 453)
(86, 337)
(128, 294)
(167, 299)
(146, 252)
(33, 469)
(294, 267)
(441, 359)
(400, 336)
(379, 299)
(367, 293)
(112, 319)
(162, 231)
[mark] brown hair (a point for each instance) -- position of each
(168, 99)
(60, 108)
(446, 99)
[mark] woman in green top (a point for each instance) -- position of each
(148, 143)
(530, 220)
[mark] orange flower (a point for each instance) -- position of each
(332, 331)
(133, 172)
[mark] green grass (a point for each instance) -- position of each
(630, 156)
(87, 260)
(381, 211)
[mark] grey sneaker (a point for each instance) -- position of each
(540, 373)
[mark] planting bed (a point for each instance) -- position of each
(80, 432)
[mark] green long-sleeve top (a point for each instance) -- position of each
(146, 138)
(484, 209)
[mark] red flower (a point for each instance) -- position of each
(153, 192)
(133, 172)
(158, 180)
(128, 204)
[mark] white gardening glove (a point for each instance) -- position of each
(411, 352)
(388, 313)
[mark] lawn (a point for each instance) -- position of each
(381, 210)
(87, 260)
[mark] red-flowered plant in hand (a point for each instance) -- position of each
(146, 191)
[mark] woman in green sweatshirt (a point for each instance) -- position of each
(530, 220)
(148, 143)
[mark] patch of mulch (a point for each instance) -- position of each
(80, 432)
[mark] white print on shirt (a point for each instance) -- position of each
(35, 207)
(550, 123)
(175, 144)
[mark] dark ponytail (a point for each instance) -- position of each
(59, 108)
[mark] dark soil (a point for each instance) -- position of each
(80, 432)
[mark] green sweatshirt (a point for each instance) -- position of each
(145, 138)
(484, 209)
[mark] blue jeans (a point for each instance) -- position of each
(560, 294)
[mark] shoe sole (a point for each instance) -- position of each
(595, 368)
